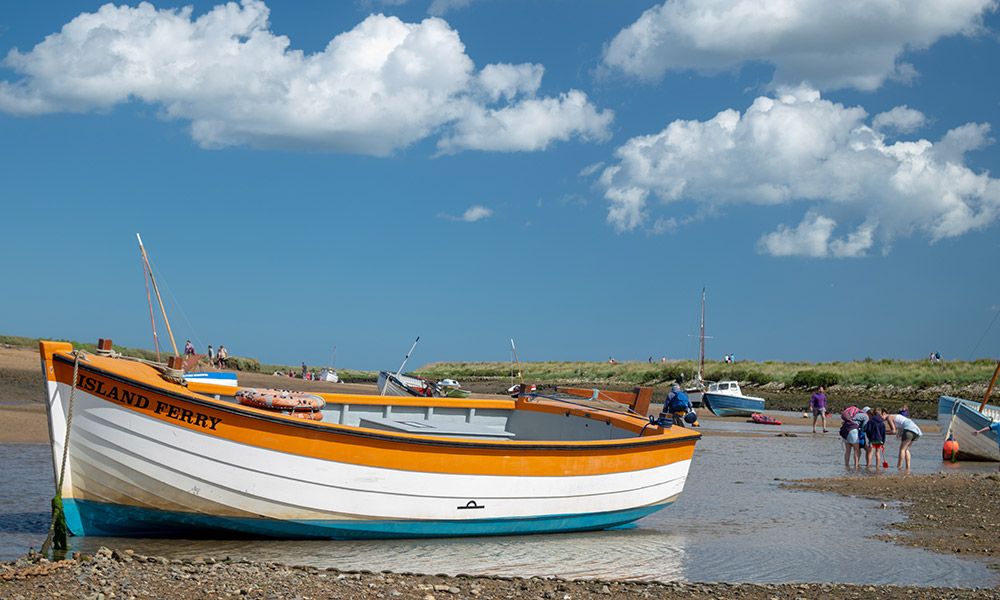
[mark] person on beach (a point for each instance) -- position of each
(211, 355)
(223, 355)
(853, 423)
(875, 433)
(189, 348)
(904, 411)
(995, 426)
(678, 405)
(907, 432)
(817, 404)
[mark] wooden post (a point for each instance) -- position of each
(104, 345)
(176, 362)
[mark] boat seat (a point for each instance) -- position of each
(435, 428)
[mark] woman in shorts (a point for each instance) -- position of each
(907, 432)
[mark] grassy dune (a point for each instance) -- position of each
(868, 373)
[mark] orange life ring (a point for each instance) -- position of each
(283, 400)
(314, 415)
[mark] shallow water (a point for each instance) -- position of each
(733, 522)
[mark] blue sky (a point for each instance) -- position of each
(570, 174)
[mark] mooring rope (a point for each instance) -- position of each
(57, 529)
(172, 375)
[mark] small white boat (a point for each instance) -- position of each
(725, 399)
(397, 384)
(958, 418)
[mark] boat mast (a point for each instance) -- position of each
(145, 260)
(701, 365)
(982, 406)
(407, 356)
(517, 361)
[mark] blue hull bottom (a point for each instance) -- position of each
(722, 405)
(86, 517)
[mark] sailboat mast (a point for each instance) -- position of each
(156, 289)
(152, 319)
(513, 349)
(701, 365)
(982, 406)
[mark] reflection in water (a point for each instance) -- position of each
(605, 555)
(733, 522)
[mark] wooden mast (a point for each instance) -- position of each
(145, 260)
(982, 406)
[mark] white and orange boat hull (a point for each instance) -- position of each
(149, 457)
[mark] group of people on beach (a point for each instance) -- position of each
(865, 429)
(217, 359)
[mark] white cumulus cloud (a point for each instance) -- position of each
(374, 89)
(901, 118)
(860, 189)
(471, 214)
(829, 44)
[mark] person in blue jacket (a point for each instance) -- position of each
(678, 405)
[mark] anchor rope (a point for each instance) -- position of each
(58, 529)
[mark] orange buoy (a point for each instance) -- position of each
(950, 450)
(283, 400)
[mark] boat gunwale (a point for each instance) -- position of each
(639, 442)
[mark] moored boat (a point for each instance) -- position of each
(725, 399)
(958, 418)
(147, 455)
(397, 384)
(452, 389)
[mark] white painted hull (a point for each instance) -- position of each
(135, 471)
(959, 418)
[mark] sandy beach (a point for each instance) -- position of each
(951, 513)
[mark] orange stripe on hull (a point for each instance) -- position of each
(137, 387)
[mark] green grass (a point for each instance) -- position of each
(868, 373)
(917, 374)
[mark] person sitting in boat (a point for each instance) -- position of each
(678, 406)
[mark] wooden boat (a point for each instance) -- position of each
(150, 456)
(958, 418)
(397, 384)
(725, 399)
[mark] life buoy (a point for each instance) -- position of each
(300, 414)
(283, 400)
